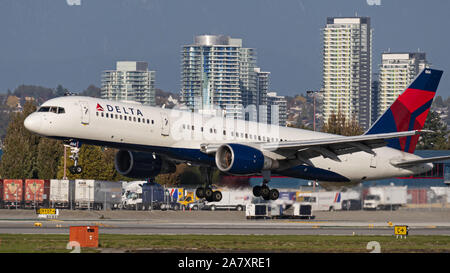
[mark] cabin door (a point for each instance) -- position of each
(164, 124)
(84, 112)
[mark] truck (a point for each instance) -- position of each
(62, 193)
(382, 198)
(321, 201)
(189, 198)
(12, 192)
(132, 195)
(37, 193)
(232, 199)
(97, 195)
(152, 195)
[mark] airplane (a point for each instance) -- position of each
(152, 140)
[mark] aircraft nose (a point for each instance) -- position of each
(33, 123)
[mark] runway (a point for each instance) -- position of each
(231, 223)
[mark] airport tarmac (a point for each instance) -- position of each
(420, 222)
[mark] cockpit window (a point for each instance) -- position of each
(53, 109)
(44, 109)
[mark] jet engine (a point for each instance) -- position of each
(141, 164)
(242, 159)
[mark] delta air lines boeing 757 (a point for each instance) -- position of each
(153, 140)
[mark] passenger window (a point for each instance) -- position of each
(139, 119)
(107, 115)
(103, 115)
(125, 117)
(134, 119)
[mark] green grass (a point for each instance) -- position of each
(36, 243)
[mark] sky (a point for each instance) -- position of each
(70, 42)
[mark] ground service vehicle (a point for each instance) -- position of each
(321, 201)
(132, 195)
(188, 199)
(231, 199)
(152, 195)
(381, 198)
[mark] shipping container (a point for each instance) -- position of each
(1, 193)
(91, 194)
(107, 194)
(37, 193)
(62, 193)
(84, 194)
(417, 196)
(12, 192)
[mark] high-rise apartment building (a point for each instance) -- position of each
(347, 68)
(276, 109)
(397, 71)
(131, 81)
(211, 74)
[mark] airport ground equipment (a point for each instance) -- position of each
(303, 211)
(276, 211)
(382, 198)
(188, 199)
(352, 204)
(132, 195)
(231, 199)
(322, 200)
(92, 194)
(152, 195)
(62, 193)
(86, 236)
(197, 205)
(257, 211)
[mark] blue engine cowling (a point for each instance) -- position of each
(241, 159)
(141, 165)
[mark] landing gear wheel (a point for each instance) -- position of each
(274, 194)
(78, 169)
(257, 191)
(208, 193)
(200, 192)
(217, 196)
(265, 191)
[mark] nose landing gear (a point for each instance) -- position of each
(74, 154)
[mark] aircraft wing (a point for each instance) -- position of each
(408, 163)
(303, 150)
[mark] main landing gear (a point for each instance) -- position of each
(264, 191)
(74, 154)
(206, 191)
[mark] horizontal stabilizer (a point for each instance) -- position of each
(407, 163)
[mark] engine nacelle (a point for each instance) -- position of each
(242, 159)
(141, 165)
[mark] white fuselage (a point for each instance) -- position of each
(178, 135)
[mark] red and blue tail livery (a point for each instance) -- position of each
(409, 111)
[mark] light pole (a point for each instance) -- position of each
(314, 92)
